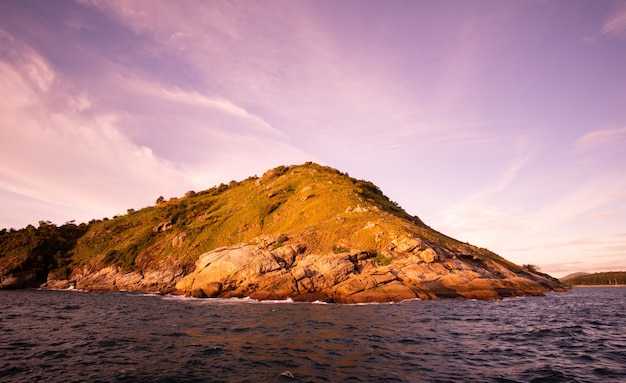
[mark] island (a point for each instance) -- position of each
(303, 232)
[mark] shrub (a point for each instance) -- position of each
(381, 260)
(338, 249)
(531, 268)
(280, 241)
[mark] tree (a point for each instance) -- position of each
(531, 268)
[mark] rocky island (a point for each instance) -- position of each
(305, 232)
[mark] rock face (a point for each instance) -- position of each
(289, 271)
(113, 278)
(304, 232)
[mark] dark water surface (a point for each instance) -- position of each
(70, 336)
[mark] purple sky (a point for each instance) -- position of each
(500, 123)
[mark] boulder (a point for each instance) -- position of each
(212, 289)
(11, 282)
(406, 244)
(178, 240)
(56, 284)
(162, 227)
(428, 255)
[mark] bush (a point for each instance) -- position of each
(338, 249)
(531, 268)
(280, 241)
(381, 260)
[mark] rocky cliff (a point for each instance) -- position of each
(303, 232)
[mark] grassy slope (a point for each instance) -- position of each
(307, 201)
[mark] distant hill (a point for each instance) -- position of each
(306, 232)
(605, 278)
(573, 275)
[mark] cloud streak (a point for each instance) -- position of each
(615, 24)
(66, 159)
(601, 137)
(73, 153)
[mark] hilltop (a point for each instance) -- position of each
(304, 232)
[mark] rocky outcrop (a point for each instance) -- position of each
(17, 281)
(113, 278)
(277, 267)
(263, 271)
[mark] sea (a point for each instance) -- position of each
(74, 336)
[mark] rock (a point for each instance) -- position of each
(312, 297)
(55, 284)
(286, 255)
(266, 240)
(390, 292)
(113, 278)
(230, 266)
(406, 244)
(197, 293)
(162, 227)
(178, 240)
(212, 289)
(428, 255)
(357, 209)
(349, 277)
(11, 282)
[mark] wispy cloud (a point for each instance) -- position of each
(586, 199)
(94, 152)
(470, 218)
(615, 24)
(509, 174)
(196, 99)
(33, 68)
(588, 40)
(572, 225)
(68, 159)
(600, 137)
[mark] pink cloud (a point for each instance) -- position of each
(63, 158)
(100, 151)
(599, 137)
(615, 24)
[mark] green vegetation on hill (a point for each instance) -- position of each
(35, 252)
(606, 278)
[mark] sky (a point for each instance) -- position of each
(499, 123)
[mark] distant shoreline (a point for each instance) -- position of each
(598, 285)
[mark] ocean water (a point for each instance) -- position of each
(72, 336)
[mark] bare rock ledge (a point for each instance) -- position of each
(259, 272)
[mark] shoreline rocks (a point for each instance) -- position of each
(268, 269)
(255, 271)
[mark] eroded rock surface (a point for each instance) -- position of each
(416, 271)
